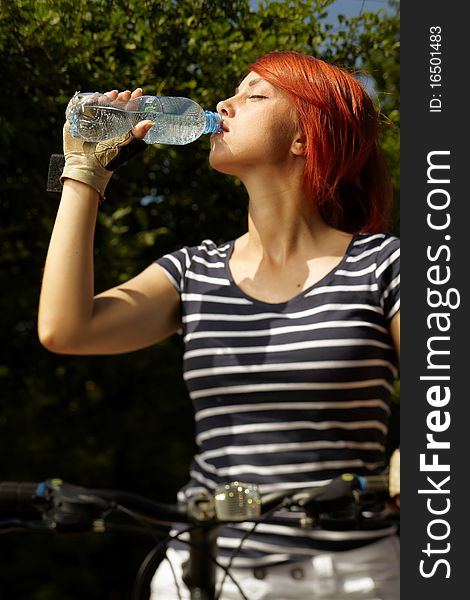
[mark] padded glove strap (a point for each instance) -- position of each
(91, 163)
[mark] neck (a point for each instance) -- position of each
(282, 222)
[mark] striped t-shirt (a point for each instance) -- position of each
(291, 394)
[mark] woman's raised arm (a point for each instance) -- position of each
(72, 320)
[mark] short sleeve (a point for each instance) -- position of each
(388, 276)
(175, 266)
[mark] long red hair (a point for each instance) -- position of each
(345, 171)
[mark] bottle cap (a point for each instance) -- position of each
(213, 122)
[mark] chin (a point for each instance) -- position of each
(222, 166)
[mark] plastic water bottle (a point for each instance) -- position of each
(94, 117)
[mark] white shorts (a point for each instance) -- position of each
(368, 573)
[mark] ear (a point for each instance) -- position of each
(299, 146)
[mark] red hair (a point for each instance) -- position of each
(345, 172)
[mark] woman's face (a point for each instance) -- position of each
(260, 126)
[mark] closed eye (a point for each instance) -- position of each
(256, 97)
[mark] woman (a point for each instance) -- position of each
(291, 331)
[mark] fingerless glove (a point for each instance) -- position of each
(93, 163)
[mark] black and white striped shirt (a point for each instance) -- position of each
(289, 394)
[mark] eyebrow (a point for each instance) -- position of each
(250, 83)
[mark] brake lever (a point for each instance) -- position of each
(337, 495)
(69, 508)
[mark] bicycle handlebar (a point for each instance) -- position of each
(347, 502)
(64, 508)
(17, 495)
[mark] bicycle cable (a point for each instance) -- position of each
(137, 517)
(148, 563)
(237, 550)
(150, 559)
(217, 564)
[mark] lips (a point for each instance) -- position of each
(225, 127)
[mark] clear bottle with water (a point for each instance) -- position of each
(94, 117)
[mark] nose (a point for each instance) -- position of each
(225, 108)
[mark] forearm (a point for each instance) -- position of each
(67, 322)
(66, 302)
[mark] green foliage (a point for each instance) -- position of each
(125, 421)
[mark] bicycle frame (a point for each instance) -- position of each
(199, 573)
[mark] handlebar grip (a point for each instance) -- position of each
(374, 483)
(17, 495)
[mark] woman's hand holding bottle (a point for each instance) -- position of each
(93, 163)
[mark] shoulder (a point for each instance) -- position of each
(383, 252)
(377, 241)
(207, 249)
(376, 249)
(194, 261)
(206, 254)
